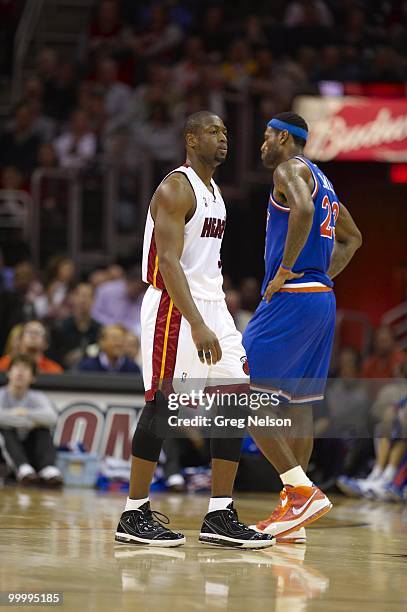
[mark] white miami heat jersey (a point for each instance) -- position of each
(200, 259)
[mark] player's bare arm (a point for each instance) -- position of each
(173, 204)
(292, 182)
(347, 241)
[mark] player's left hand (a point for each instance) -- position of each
(278, 281)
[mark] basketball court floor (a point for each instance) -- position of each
(62, 542)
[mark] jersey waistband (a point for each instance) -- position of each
(312, 287)
(217, 298)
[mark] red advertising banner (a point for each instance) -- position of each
(353, 128)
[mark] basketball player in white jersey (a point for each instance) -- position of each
(187, 334)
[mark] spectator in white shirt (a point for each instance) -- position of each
(77, 146)
(117, 94)
(26, 418)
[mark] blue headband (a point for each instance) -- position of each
(292, 129)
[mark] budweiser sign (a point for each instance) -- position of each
(351, 128)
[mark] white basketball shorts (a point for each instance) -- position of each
(170, 355)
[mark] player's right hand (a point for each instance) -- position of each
(278, 281)
(207, 344)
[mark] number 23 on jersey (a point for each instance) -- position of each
(328, 224)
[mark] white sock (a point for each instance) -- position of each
(296, 477)
(388, 474)
(24, 470)
(219, 503)
(375, 473)
(134, 504)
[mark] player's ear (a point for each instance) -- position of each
(284, 136)
(191, 140)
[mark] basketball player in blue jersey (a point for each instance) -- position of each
(310, 239)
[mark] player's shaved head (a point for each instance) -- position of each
(197, 121)
(205, 139)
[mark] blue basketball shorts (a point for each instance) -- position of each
(288, 343)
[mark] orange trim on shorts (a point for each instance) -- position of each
(155, 272)
(167, 328)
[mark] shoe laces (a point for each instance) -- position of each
(153, 517)
(278, 511)
(235, 520)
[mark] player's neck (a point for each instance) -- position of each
(202, 169)
(294, 152)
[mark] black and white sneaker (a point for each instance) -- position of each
(142, 526)
(223, 528)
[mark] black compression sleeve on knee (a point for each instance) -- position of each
(146, 446)
(151, 429)
(228, 449)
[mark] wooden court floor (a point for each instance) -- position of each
(355, 559)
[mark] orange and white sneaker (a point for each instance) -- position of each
(294, 537)
(299, 507)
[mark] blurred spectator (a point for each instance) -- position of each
(47, 68)
(186, 74)
(390, 412)
(11, 178)
(33, 342)
(19, 144)
(117, 95)
(119, 301)
(385, 358)
(157, 88)
(15, 207)
(239, 66)
(213, 33)
(261, 82)
(330, 64)
(33, 94)
(355, 29)
(13, 340)
(132, 347)
(115, 272)
(158, 138)
(253, 31)
(342, 427)
(106, 28)
(62, 92)
(26, 418)
(70, 337)
(46, 156)
(212, 84)
(98, 117)
(250, 294)
(6, 274)
(18, 305)
(77, 146)
(308, 13)
(346, 399)
(387, 66)
(240, 317)
(111, 357)
(159, 37)
(98, 277)
(60, 280)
